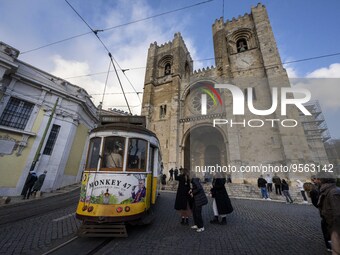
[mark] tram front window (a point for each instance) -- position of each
(113, 153)
(93, 155)
(137, 151)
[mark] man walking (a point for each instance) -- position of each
(171, 172)
(269, 183)
(277, 182)
(261, 183)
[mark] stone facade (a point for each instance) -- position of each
(246, 56)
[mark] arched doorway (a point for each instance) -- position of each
(204, 149)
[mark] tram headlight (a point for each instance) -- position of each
(127, 208)
(119, 209)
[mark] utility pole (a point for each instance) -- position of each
(37, 153)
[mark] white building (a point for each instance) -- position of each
(27, 97)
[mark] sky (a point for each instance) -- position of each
(303, 29)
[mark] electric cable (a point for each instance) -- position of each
(118, 26)
(95, 32)
(245, 69)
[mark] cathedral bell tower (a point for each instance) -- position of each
(167, 66)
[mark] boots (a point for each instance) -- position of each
(223, 221)
(215, 220)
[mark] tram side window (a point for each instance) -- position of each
(93, 155)
(137, 151)
(114, 153)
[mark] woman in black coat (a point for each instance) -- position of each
(199, 199)
(221, 201)
(182, 203)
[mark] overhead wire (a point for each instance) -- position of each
(158, 15)
(54, 43)
(243, 69)
(95, 32)
(117, 26)
(140, 20)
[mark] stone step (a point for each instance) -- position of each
(250, 191)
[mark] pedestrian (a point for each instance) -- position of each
(315, 191)
(221, 201)
(285, 191)
(277, 182)
(38, 184)
(261, 183)
(269, 183)
(199, 200)
(163, 181)
(329, 206)
(314, 195)
(176, 172)
(183, 199)
(299, 185)
(171, 172)
(312, 192)
(32, 177)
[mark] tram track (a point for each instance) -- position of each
(79, 245)
(23, 211)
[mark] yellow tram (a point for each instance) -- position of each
(122, 175)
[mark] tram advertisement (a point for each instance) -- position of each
(113, 188)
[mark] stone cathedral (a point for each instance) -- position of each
(247, 57)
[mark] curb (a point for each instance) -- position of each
(18, 201)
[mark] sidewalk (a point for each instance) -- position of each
(15, 200)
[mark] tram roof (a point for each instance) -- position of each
(128, 127)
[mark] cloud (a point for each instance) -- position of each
(333, 71)
(325, 87)
(129, 47)
(326, 91)
(70, 68)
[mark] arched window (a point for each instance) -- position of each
(241, 45)
(165, 65)
(167, 69)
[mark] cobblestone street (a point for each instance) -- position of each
(54, 221)
(255, 227)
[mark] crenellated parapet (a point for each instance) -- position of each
(204, 72)
(240, 21)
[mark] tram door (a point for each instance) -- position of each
(154, 169)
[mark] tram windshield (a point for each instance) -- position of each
(113, 153)
(137, 154)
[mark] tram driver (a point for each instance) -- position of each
(114, 159)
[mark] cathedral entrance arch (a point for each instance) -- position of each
(204, 149)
